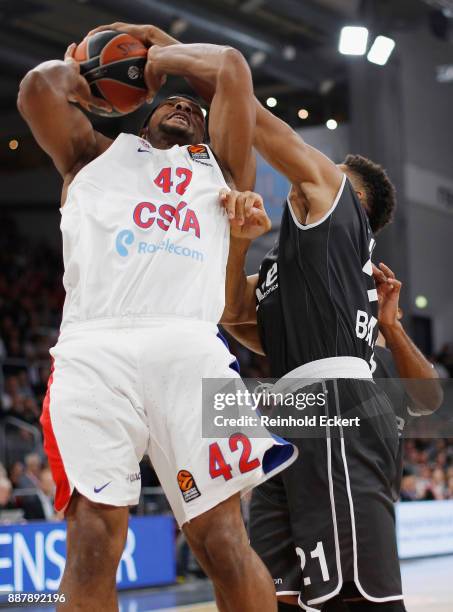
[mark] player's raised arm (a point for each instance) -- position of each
(45, 101)
(248, 221)
(418, 375)
(306, 167)
(232, 114)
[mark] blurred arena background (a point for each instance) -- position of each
(400, 114)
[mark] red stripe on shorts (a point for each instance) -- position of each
(63, 493)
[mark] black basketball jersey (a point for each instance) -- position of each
(316, 296)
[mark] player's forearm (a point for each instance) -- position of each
(156, 36)
(236, 288)
(281, 146)
(204, 89)
(204, 62)
(419, 377)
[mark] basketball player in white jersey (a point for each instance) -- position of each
(145, 244)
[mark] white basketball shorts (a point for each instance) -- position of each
(119, 391)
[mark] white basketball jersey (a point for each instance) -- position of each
(144, 234)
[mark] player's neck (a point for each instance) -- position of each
(165, 141)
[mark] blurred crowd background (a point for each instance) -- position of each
(31, 300)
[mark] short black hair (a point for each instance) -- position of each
(379, 190)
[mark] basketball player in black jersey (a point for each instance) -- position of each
(326, 527)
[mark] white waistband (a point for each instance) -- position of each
(322, 369)
(136, 322)
(333, 367)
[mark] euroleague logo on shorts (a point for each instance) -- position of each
(187, 485)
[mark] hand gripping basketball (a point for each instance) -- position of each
(81, 93)
(154, 78)
(113, 63)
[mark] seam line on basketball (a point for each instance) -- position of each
(120, 82)
(121, 61)
(125, 59)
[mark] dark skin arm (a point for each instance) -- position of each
(419, 377)
(46, 101)
(248, 221)
(315, 178)
(240, 301)
(247, 335)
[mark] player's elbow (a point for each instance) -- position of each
(234, 68)
(33, 84)
(436, 396)
(232, 316)
(429, 396)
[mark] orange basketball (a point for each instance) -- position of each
(113, 64)
(185, 480)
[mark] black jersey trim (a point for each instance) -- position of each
(326, 216)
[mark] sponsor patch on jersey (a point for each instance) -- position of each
(198, 152)
(187, 485)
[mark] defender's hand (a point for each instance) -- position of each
(246, 213)
(388, 288)
(80, 92)
(147, 34)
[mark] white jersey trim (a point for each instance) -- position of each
(326, 216)
(339, 586)
(354, 535)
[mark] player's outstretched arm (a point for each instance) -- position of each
(418, 375)
(45, 102)
(239, 315)
(306, 167)
(248, 221)
(232, 113)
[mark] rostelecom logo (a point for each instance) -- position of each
(124, 239)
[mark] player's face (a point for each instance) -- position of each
(180, 118)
